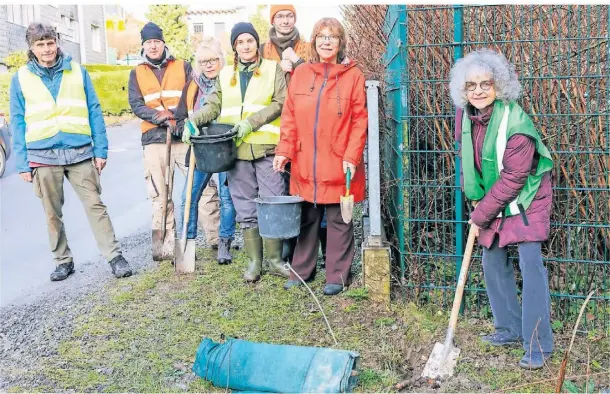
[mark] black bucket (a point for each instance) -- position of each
(279, 217)
(214, 148)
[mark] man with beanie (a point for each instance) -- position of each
(155, 88)
(59, 131)
(250, 95)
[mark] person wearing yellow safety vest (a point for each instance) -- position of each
(59, 130)
(250, 94)
(155, 88)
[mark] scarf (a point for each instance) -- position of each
(284, 42)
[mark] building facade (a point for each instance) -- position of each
(81, 29)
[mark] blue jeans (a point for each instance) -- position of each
(227, 210)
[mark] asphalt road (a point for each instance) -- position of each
(25, 257)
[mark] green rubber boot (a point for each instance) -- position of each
(253, 244)
(273, 251)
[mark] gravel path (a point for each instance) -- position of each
(33, 327)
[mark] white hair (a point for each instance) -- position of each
(502, 72)
(213, 45)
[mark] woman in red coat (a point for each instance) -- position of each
(323, 133)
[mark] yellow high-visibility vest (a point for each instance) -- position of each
(258, 96)
(45, 116)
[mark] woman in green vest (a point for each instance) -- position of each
(250, 94)
(506, 173)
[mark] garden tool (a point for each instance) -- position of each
(443, 359)
(347, 201)
(158, 236)
(184, 253)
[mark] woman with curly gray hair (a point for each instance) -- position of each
(506, 173)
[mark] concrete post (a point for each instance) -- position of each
(376, 254)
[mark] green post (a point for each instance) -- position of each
(458, 53)
(400, 131)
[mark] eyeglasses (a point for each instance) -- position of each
(209, 62)
(333, 39)
(286, 17)
(485, 85)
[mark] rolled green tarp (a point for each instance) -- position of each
(263, 367)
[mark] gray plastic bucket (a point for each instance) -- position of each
(279, 217)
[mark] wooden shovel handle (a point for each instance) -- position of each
(459, 290)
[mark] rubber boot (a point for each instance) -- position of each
(273, 250)
(322, 232)
(253, 245)
(224, 251)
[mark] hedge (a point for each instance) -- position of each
(111, 88)
(92, 68)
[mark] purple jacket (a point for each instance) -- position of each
(520, 159)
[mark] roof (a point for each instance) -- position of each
(219, 11)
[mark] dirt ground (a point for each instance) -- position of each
(140, 334)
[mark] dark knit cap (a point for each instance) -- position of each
(151, 31)
(243, 27)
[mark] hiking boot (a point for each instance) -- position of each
(253, 245)
(332, 289)
(534, 360)
(224, 251)
(501, 338)
(292, 283)
(120, 268)
(273, 250)
(62, 271)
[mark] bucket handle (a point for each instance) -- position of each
(268, 188)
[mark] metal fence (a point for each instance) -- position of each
(562, 57)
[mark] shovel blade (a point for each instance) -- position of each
(439, 367)
(347, 208)
(162, 247)
(184, 253)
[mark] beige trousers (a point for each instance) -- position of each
(48, 184)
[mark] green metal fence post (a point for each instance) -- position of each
(458, 53)
(402, 32)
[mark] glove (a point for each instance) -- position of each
(189, 130)
(161, 116)
(243, 128)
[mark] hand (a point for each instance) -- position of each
(290, 54)
(172, 127)
(279, 162)
(243, 128)
(99, 164)
(286, 66)
(189, 130)
(352, 168)
(26, 176)
(346, 61)
(161, 116)
(476, 228)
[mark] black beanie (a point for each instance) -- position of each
(243, 27)
(151, 31)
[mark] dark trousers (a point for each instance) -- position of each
(339, 249)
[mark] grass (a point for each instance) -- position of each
(143, 333)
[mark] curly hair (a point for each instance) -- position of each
(503, 73)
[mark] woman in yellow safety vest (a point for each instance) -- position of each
(250, 94)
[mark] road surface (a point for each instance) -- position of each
(25, 257)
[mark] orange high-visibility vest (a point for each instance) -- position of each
(161, 96)
(191, 94)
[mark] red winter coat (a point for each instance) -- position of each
(323, 124)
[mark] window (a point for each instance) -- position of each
(96, 38)
(21, 15)
(198, 28)
(219, 29)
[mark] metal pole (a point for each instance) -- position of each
(458, 53)
(374, 181)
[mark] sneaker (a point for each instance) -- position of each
(120, 268)
(332, 289)
(501, 338)
(62, 271)
(534, 360)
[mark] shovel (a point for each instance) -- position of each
(443, 359)
(158, 236)
(347, 201)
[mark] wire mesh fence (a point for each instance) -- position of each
(562, 57)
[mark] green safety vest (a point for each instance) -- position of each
(258, 96)
(506, 120)
(44, 116)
